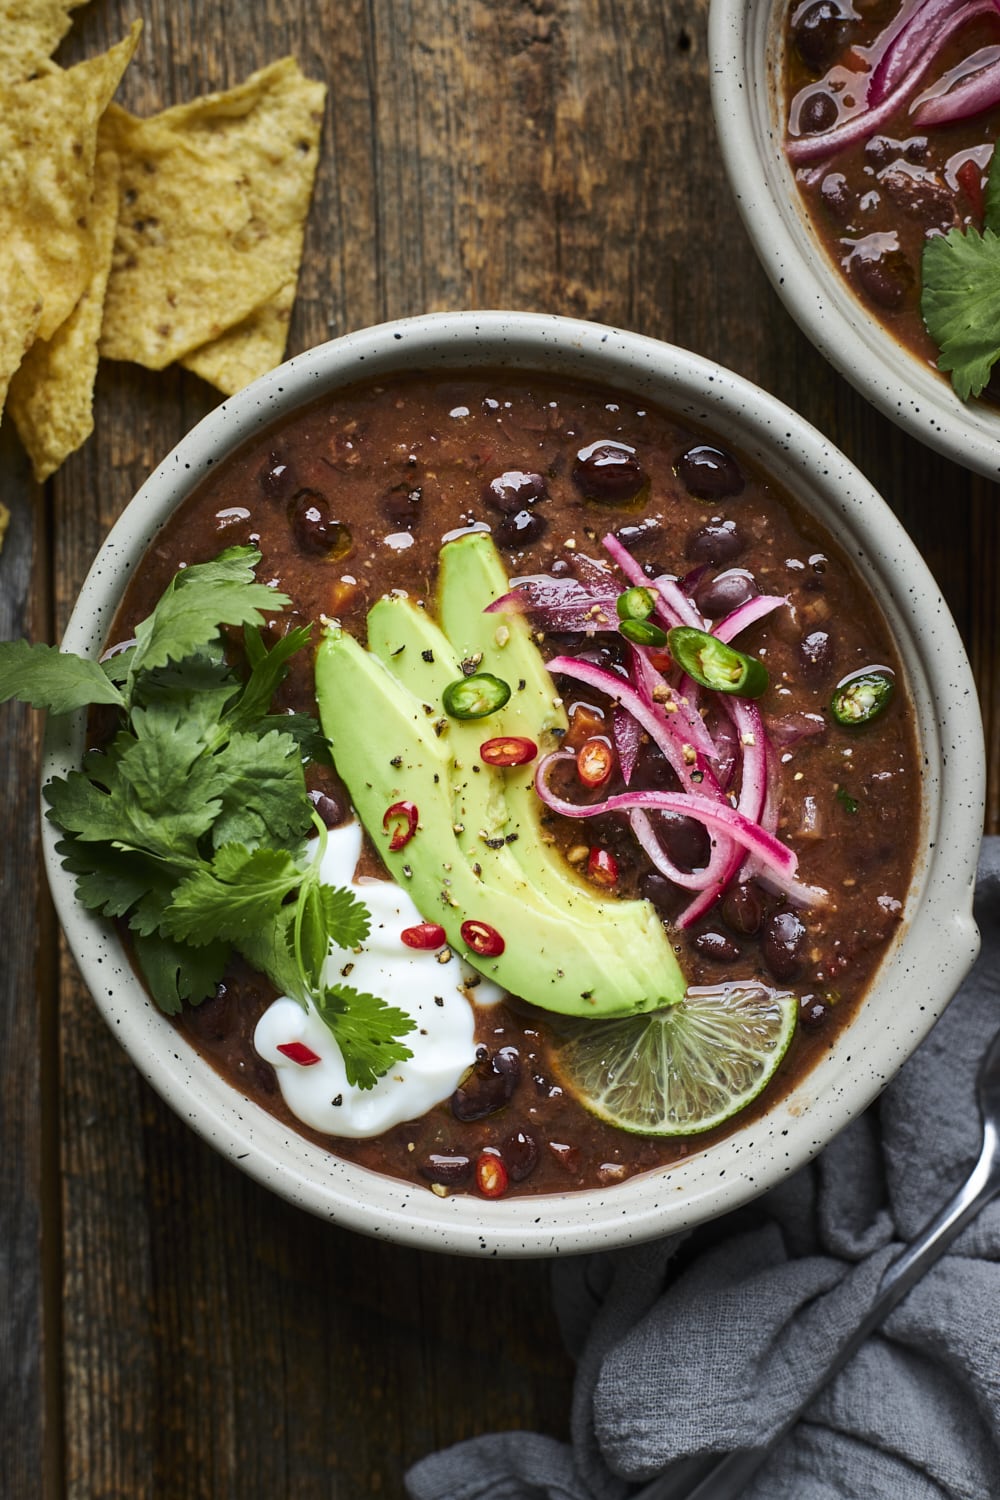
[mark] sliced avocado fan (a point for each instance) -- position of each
(565, 948)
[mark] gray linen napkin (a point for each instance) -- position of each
(699, 1344)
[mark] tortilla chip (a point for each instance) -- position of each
(30, 31)
(20, 312)
(214, 199)
(52, 395)
(250, 349)
(48, 144)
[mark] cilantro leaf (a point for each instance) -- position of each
(49, 678)
(270, 950)
(960, 303)
(347, 920)
(176, 972)
(196, 602)
(241, 892)
(262, 791)
(367, 1031)
(304, 730)
(117, 882)
(268, 669)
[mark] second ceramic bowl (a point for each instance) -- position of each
(745, 48)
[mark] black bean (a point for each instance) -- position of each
(609, 472)
(816, 656)
(725, 592)
(513, 490)
(880, 150)
(817, 113)
(819, 35)
(329, 808)
(837, 198)
(401, 505)
(718, 542)
(921, 196)
(717, 946)
(521, 529)
(276, 477)
(885, 279)
(782, 944)
(314, 529)
(709, 473)
(917, 149)
(742, 910)
(812, 1011)
(448, 1171)
(488, 1086)
(520, 1155)
(685, 839)
(660, 891)
(633, 537)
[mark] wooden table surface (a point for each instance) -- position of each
(167, 1328)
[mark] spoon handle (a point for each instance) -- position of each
(724, 1479)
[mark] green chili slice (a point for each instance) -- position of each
(476, 696)
(635, 604)
(643, 633)
(861, 698)
(715, 665)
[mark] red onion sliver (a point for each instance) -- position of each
(627, 733)
(979, 91)
(678, 604)
(718, 817)
(905, 44)
(560, 604)
(746, 615)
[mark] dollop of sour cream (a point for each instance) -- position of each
(432, 992)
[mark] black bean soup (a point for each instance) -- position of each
(875, 200)
(354, 496)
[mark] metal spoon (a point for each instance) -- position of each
(725, 1478)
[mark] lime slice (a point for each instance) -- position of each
(681, 1070)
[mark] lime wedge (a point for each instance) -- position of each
(684, 1069)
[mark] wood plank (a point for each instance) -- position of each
(27, 1017)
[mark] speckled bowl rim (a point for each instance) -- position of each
(922, 970)
(744, 45)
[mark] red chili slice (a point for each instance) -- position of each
(298, 1052)
(402, 818)
(491, 1175)
(508, 750)
(424, 935)
(602, 867)
(482, 939)
(594, 762)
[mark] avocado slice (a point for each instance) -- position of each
(388, 749)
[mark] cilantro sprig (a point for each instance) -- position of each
(960, 300)
(189, 824)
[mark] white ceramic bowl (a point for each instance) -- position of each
(745, 51)
(938, 940)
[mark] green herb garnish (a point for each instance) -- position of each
(190, 822)
(847, 802)
(960, 300)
